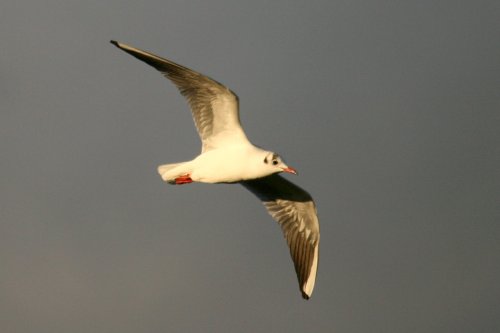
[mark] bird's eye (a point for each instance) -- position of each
(275, 162)
(265, 160)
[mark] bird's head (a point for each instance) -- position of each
(274, 162)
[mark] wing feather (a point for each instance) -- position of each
(295, 211)
(214, 106)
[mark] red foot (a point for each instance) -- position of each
(184, 179)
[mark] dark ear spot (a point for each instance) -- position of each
(265, 159)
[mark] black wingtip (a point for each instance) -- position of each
(305, 296)
(115, 43)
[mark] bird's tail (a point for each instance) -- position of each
(169, 172)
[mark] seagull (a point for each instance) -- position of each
(227, 156)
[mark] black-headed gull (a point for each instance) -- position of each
(227, 156)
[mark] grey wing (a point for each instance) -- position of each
(295, 211)
(214, 107)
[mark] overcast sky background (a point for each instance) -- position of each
(389, 110)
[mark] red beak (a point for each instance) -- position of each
(290, 170)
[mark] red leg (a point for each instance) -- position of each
(184, 179)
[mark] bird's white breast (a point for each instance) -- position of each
(229, 164)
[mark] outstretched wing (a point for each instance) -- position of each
(214, 106)
(295, 211)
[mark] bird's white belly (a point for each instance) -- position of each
(224, 165)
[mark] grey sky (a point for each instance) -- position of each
(389, 111)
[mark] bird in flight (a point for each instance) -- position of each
(227, 156)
